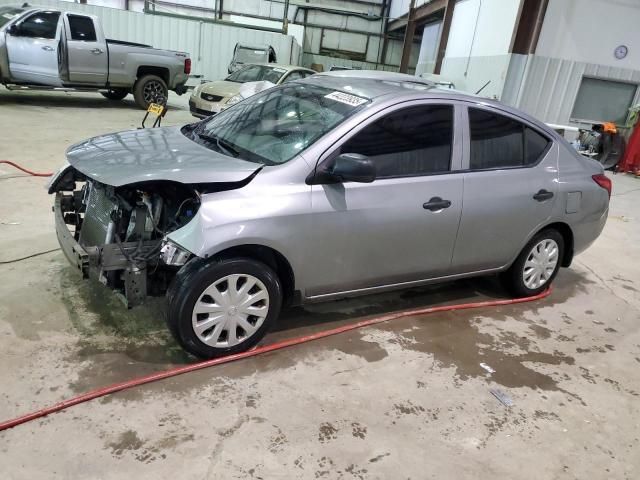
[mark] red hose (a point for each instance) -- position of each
(34, 174)
(117, 387)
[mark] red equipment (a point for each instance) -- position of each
(631, 159)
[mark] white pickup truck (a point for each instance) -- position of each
(47, 49)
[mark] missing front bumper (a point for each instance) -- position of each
(74, 252)
(102, 262)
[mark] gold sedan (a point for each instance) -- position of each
(212, 97)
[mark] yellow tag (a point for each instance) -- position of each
(155, 108)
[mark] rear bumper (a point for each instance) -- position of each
(75, 253)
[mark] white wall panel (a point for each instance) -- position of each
(590, 30)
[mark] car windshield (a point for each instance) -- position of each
(9, 13)
(274, 126)
(256, 73)
(249, 55)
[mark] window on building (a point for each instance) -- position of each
(40, 25)
(603, 101)
(408, 142)
(501, 142)
(82, 28)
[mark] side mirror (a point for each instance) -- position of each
(346, 167)
(14, 30)
(353, 167)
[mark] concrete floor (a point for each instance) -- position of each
(407, 399)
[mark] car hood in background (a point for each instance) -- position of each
(149, 154)
(221, 87)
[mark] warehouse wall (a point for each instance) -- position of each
(577, 40)
(429, 48)
(210, 45)
(401, 7)
(590, 30)
(550, 86)
(478, 46)
(352, 31)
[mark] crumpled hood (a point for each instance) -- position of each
(150, 154)
(221, 87)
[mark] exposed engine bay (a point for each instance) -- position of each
(120, 231)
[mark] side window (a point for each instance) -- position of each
(535, 145)
(82, 28)
(409, 142)
(501, 142)
(40, 25)
(297, 75)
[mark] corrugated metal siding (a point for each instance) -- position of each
(550, 86)
(210, 45)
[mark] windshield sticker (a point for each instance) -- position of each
(346, 98)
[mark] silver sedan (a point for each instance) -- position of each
(342, 184)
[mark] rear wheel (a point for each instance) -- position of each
(150, 89)
(115, 93)
(223, 307)
(537, 265)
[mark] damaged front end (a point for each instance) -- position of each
(117, 234)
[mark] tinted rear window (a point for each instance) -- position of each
(82, 28)
(501, 142)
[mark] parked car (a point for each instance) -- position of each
(245, 54)
(45, 48)
(212, 97)
(342, 184)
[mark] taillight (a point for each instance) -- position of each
(187, 66)
(604, 181)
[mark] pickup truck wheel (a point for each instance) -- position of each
(223, 307)
(150, 89)
(115, 93)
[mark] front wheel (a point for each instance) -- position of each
(537, 265)
(223, 307)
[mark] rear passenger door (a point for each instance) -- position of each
(510, 186)
(87, 58)
(401, 227)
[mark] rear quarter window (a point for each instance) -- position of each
(498, 141)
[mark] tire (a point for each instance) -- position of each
(149, 89)
(115, 94)
(203, 319)
(536, 278)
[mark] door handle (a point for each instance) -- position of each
(543, 195)
(436, 204)
(96, 51)
(47, 48)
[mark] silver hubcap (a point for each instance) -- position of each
(153, 92)
(230, 310)
(540, 264)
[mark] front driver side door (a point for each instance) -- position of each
(393, 230)
(33, 49)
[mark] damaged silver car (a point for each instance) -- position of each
(341, 184)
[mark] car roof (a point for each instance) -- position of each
(374, 85)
